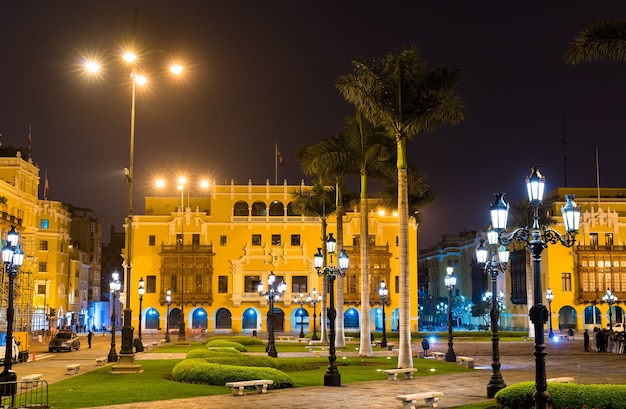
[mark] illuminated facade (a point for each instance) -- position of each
(214, 252)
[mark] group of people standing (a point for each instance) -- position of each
(604, 340)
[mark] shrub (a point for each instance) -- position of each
(240, 339)
(199, 371)
(564, 395)
(222, 343)
(232, 357)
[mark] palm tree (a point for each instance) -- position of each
(373, 152)
(332, 160)
(401, 94)
(318, 202)
(604, 40)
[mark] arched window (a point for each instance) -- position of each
(259, 209)
(224, 319)
(152, 318)
(351, 319)
(249, 319)
(199, 319)
(277, 208)
(292, 211)
(174, 318)
(240, 209)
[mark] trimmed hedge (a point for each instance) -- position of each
(240, 339)
(197, 370)
(229, 358)
(222, 343)
(564, 395)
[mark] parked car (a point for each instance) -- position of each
(64, 341)
(618, 327)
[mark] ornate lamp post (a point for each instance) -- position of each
(13, 258)
(313, 299)
(536, 239)
(168, 300)
(492, 268)
(383, 291)
(115, 287)
(550, 297)
(272, 294)
(332, 376)
(609, 298)
(450, 281)
(300, 301)
(141, 291)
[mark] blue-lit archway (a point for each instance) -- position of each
(152, 319)
(351, 319)
(300, 320)
(249, 321)
(199, 319)
(395, 321)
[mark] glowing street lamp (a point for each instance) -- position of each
(115, 285)
(450, 281)
(300, 301)
(383, 291)
(550, 297)
(272, 294)
(609, 298)
(141, 291)
(168, 300)
(313, 299)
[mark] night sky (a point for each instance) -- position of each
(259, 73)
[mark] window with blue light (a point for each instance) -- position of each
(44, 224)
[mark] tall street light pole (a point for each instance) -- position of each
(450, 281)
(383, 291)
(182, 328)
(610, 298)
(332, 376)
(168, 300)
(535, 240)
(313, 299)
(114, 286)
(272, 294)
(550, 297)
(300, 301)
(492, 267)
(141, 291)
(13, 258)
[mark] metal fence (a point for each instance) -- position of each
(26, 394)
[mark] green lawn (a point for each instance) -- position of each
(100, 388)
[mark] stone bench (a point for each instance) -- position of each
(439, 356)
(31, 381)
(410, 401)
(72, 369)
(260, 385)
(465, 361)
(101, 361)
(563, 379)
(392, 374)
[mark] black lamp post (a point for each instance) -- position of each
(609, 298)
(313, 299)
(536, 239)
(332, 376)
(383, 291)
(272, 294)
(168, 300)
(141, 291)
(450, 281)
(115, 286)
(550, 297)
(492, 267)
(300, 301)
(12, 257)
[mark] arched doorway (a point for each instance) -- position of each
(279, 320)
(249, 320)
(174, 320)
(300, 320)
(224, 319)
(199, 319)
(395, 321)
(152, 319)
(351, 320)
(567, 317)
(592, 316)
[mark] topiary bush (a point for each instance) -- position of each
(197, 370)
(564, 395)
(222, 343)
(232, 357)
(240, 339)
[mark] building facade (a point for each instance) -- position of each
(212, 250)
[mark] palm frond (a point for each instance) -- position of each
(604, 40)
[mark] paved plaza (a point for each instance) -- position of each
(564, 359)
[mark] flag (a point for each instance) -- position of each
(279, 157)
(45, 187)
(30, 143)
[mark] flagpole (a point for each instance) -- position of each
(276, 164)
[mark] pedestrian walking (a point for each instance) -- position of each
(586, 340)
(89, 335)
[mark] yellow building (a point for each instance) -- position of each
(213, 254)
